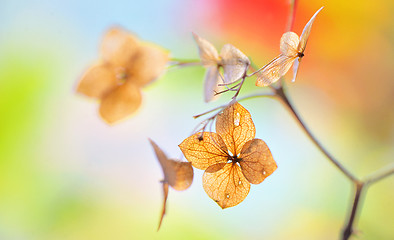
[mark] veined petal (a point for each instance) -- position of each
(305, 33)
(97, 81)
(211, 82)
(204, 151)
(256, 162)
(208, 54)
(295, 68)
(225, 184)
(234, 62)
(289, 44)
(120, 103)
(235, 126)
(147, 64)
(118, 47)
(176, 173)
(274, 70)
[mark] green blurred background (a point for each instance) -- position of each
(65, 174)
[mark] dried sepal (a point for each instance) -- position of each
(289, 44)
(97, 81)
(211, 82)
(256, 161)
(292, 47)
(236, 127)
(204, 150)
(225, 184)
(120, 103)
(306, 31)
(274, 70)
(118, 47)
(148, 64)
(178, 175)
(235, 63)
(208, 54)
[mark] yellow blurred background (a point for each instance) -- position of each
(65, 174)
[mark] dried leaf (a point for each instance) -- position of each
(274, 70)
(256, 162)
(225, 184)
(208, 54)
(305, 33)
(97, 81)
(212, 79)
(289, 44)
(204, 151)
(147, 64)
(236, 127)
(235, 63)
(163, 211)
(120, 103)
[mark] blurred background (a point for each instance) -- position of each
(65, 174)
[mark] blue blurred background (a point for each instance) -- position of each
(65, 174)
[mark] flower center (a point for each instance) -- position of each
(300, 54)
(234, 159)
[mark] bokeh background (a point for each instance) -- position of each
(65, 174)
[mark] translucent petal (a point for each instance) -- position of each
(274, 70)
(289, 44)
(208, 54)
(211, 82)
(147, 64)
(305, 33)
(204, 150)
(295, 68)
(235, 126)
(225, 184)
(97, 81)
(118, 47)
(256, 162)
(120, 103)
(234, 62)
(176, 173)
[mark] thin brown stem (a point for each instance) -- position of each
(280, 93)
(348, 229)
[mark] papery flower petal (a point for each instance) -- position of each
(97, 81)
(120, 103)
(289, 44)
(176, 173)
(307, 30)
(256, 162)
(148, 64)
(235, 63)
(274, 70)
(212, 79)
(204, 150)
(235, 126)
(225, 184)
(118, 47)
(208, 54)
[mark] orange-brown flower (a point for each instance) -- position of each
(126, 65)
(179, 175)
(232, 158)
